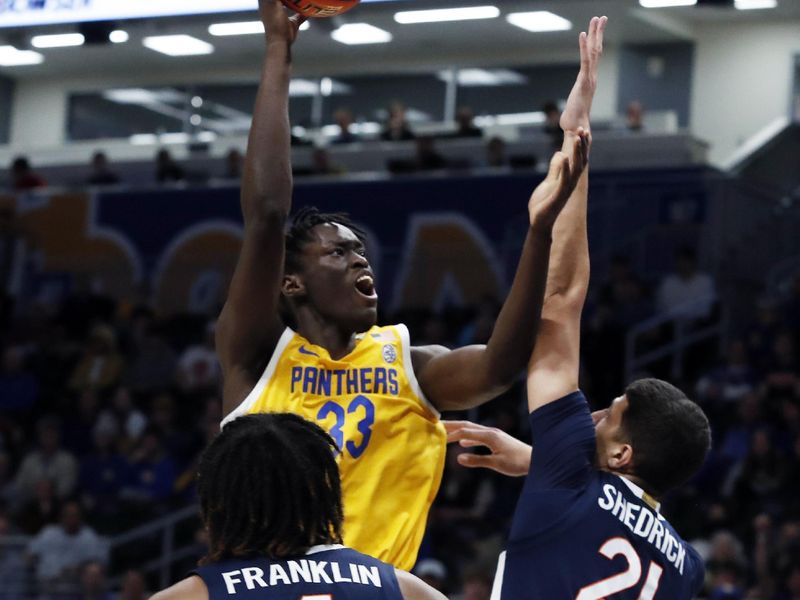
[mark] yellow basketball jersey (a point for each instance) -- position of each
(392, 442)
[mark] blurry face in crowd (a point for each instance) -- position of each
(71, 518)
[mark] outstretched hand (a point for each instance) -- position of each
(551, 195)
(579, 104)
(508, 455)
(278, 23)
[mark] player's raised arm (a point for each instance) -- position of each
(249, 326)
(472, 375)
(554, 364)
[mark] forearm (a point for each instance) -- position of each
(568, 279)
(515, 331)
(267, 177)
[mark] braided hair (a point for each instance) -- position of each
(299, 233)
(269, 486)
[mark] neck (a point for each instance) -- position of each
(337, 340)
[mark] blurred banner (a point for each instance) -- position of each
(21, 13)
(432, 241)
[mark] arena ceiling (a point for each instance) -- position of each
(480, 42)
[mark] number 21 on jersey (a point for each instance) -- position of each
(628, 578)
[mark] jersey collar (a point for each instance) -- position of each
(323, 548)
(641, 494)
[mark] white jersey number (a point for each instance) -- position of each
(625, 580)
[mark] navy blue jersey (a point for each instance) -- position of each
(582, 534)
(324, 573)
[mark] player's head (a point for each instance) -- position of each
(327, 272)
(269, 486)
(654, 433)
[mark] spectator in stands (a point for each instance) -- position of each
(234, 162)
(23, 177)
(102, 475)
(496, 152)
(198, 366)
(634, 116)
(101, 173)
(433, 572)
(730, 382)
(59, 551)
(101, 365)
(7, 493)
(791, 306)
(465, 127)
(134, 586)
(14, 255)
(19, 389)
(397, 128)
(48, 461)
(782, 372)
(93, 582)
(152, 474)
(428, 158)
(756, 483)
(552, 123)
(13, 572)
(167, 170)
(41, 510)
(344, 120)
(726, 567)
(686, 293)
(477, 585)
(125, 418)
(734, 445)
(153, 363)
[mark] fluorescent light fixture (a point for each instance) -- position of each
(447, 14)
(11, 57)
(529, 118)
(142, 96)
(178, 45)
(299, 88)
(206, 136)
(539, 20)
(755, 4)
(143, 139)
(360, 33)
(59, 40)
(241, 28)
(305, 25)
(484, 77)
(118, 36)
(666, 3)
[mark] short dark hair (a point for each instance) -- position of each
(299, 233)
(269, 486)
(669, 433)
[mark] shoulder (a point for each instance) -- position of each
(413, 588)
(191, 588)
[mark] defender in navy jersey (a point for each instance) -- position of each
(587, 525)
(275, 531)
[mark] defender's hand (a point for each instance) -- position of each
(279, 25)
(550, 196)
(508, 455)
(579, 104)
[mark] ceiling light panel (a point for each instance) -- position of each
(59, 40)
(118, 36)
(755, 4)
(447, 14)
(11, 57)
(484, 77)
(666, 3)
(178, 45)
(539, 21)
(242, 28)
(360, 33)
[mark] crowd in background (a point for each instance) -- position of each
(22, 175)
(105, 407)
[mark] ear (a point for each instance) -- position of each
(620, 457)
(292, 286)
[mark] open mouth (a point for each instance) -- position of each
(365, 285)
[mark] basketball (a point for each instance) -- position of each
(320, 8)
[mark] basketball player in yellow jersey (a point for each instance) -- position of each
(377, 395)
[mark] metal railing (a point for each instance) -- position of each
(686, 332)
(164, 529)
